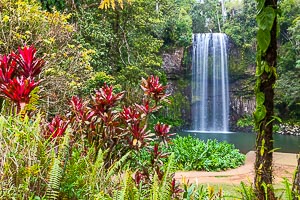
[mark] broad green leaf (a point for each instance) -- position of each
(263, 39)
(265, 19)
(260, 5)
(266, 67)
(260, 98)
(263, 66)
(260, 113)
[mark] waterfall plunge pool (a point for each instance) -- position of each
(245, 142)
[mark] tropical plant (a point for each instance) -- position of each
(18, 72)
(246, 191)
(23, 23)
(194, 154)
(193, 191)
(25, 158)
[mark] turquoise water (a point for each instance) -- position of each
(245, 142)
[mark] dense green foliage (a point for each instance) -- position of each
(243, 14)
(194, 154)
(287, 90)
(88, 47)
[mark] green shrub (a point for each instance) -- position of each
(194, 154)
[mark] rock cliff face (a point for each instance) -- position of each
(172, 63)
(240, 106)
(178, 84)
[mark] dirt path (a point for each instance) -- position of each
(284, 166)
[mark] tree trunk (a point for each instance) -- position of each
(296, 183)
(266, 72)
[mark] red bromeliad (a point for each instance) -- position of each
(105, 99)
(157, 155)
(130, 114)
(29, 64)
(153, 88)
(57, 127)
(146, 108)
(138, 135)
(17, 72)
(162, 131)
(18, 90)
(175, 189)
(80, 110)
(7, 69)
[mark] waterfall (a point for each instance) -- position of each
(210, 95)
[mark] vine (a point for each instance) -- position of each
(264, 92)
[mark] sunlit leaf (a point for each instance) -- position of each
(266, 18)
(263, 39)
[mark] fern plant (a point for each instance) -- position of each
(54, 180)
(24, 160)
(128, 189)
(57, 170)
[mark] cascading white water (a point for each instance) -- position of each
(210, 95)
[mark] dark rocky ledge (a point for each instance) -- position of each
(289, 129)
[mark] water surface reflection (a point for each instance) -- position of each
(245, 142)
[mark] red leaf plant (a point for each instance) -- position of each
(29, 64)
(99, 121)
(7, 69)
(154, 89)
(157, 155)
(162, 131)
(80, 110)
(18, 90)
(17, 73)
(130, 114)
(146, 108)
(57, 127)
(136, 126)
(156, 160)
(139, 136)
(175, 189)
(139, 178)
(105, 99)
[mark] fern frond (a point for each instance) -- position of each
(97, 167)
(54, 180)
(101, 196)
(129, 189)
(154, 193)
(165, 189)
(64, 150)
(118, 195)
(288, 191)
(113, 168)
